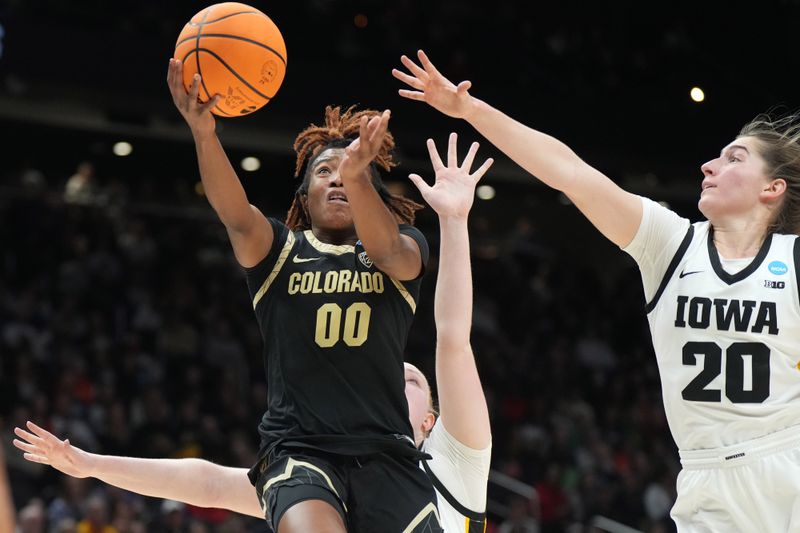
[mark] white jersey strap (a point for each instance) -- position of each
(673, 265)
(439, 486)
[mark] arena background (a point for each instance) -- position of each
(125, 324)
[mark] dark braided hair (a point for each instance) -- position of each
(340, 129)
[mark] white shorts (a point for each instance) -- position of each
(752, 487)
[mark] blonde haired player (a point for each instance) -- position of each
(458, 441)
(722, 301)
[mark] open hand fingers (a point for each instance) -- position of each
(211, 104)
(478, 174)
(466, 165)
(412, 95)
(26, 447)
(408, 80)
(194, 89)
(434, 154)
(426, 64)
(381, 125)
(29, 437)
(40, 432)
(452, 150)
(419, 183)
(415, 69)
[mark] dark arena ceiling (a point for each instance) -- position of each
(612, 79)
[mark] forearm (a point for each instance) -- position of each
(221, 184)
(461, 399)
(375, 225)
(453, 297)
(7, 521)
(545, 157)
(192, 481)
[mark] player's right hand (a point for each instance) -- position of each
(41, 446)
(197, 114)
(432, 87)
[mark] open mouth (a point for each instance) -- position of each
(337, 198)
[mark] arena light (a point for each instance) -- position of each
(360, 21)
(485, 192)
(122, 148)
(697, 94)
(251, 164)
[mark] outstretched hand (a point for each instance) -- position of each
(41, 446)
(454, 190)
(197, 114)
(432, 87)
(360, 153)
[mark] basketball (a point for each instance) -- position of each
(238, 52)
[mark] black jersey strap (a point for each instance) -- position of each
(673, 265)
(796, 263)
(439, 486)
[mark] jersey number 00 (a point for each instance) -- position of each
(329, 324)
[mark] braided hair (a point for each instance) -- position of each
(340, 129)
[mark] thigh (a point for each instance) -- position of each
(289, 480)
(310, 515)
(391, 495)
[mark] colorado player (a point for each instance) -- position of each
(458, 441)
(722, 302)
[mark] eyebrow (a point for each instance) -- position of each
(734, 147)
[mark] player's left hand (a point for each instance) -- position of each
(41, 446)
(360, 153)
(454, 190)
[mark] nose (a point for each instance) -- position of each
(709, 168)
(335, 179)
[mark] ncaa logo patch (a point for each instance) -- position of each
(365, 260)
(778, 268)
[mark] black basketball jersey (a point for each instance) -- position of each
(334, 330)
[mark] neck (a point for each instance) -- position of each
(739, 243)
(336, 237)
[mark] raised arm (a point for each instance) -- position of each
(248, 229)
(612, 210)
(397, 255)
(7, 520)
(192, 481)
(461, 399)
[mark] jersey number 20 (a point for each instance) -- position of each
(329, 324)
(737, 357)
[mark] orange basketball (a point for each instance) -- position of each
(238, 52)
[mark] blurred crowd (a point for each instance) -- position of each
(125, 325)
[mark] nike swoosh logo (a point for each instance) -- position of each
(684, 274)
(298, 259)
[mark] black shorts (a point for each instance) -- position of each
(376, 493)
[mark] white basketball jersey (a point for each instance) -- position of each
(727, 345)
(460, 476)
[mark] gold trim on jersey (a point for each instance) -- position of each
(405, 294)
(287, 247)
(287, 473)
(427, 510)
(328, 248)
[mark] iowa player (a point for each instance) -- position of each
(334, 291)
(722, 303)
(458, 441)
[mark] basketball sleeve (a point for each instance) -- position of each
(256, 275)
(463, 471)
(659, 236)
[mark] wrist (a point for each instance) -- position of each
(454, 219)
(203, 135)
(474, 108)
